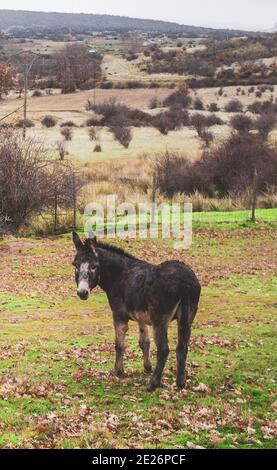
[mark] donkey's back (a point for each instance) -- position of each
(161, 290)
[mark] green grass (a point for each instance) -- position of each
(56, 353)
(214, 219)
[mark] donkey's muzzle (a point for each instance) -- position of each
(83, 294)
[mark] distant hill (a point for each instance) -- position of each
(81, 22)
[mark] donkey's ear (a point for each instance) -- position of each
(77, 241)
(91, 241)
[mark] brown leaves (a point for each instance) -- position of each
(10, 351)
(269, 429)
(201, 388)
(15, 387)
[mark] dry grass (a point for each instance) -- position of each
(145, 140)
(117, 69)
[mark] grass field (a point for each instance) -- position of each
(212, 219)
(145, 140)
(56, 351)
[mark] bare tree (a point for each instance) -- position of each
(32, 181)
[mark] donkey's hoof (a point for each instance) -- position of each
(181, 384)
(148, 369)
(119, 373)
(152, 386)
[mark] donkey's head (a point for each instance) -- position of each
(87, 270)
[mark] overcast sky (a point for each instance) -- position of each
(244, 14)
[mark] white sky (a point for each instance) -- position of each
(244, 14)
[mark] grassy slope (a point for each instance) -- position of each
(56, 352)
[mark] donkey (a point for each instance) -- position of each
(146, 293)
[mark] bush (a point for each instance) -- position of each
(92, 134)
(198, 104)
(115, 114)
(241, 123)
(265, 123)
(20, 123)
(26, 182)
(154, 85)
(227, 169)
(68, 86)
(49, 121)
(234, 106)
(106, 85)
(172, 173)
(37, 93)
(213, 107)
(66, 132)
(207, 138)
(213, 120)
(230, 167)
(178, 98)
(97, 148)
(134, 84)
(122, 134)
(68, 124)
(198, 121)
(260, 107)
(170, 120)
(91, 122)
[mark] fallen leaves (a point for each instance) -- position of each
(15, 387)
(201, 388)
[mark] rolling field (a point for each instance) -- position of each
(145, 140)
(56, 351)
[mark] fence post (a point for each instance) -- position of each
(154, 191)
(74, 199)
(55, 211)
(254, 195)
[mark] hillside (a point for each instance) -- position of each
(89, 22)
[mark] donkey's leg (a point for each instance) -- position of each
(184, 329)
(121, 329)
(144, 343)
(185, 320)
(160, 337)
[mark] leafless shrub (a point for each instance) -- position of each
(241, 123)
(67, 133)
(172, 173)
(213, 107)
(198, 104)
(265, 123)
(207, 138)
(20, 123)
(31, 181)
(227, 169)
(25, 181)
(178, 98)
(233, 106)
(97, 148)
(68, 124)
(92, 133)
(170, 120)
(122, 134)
(49, 121)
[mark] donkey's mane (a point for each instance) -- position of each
(114, 249)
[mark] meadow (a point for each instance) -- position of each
(56, 352)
